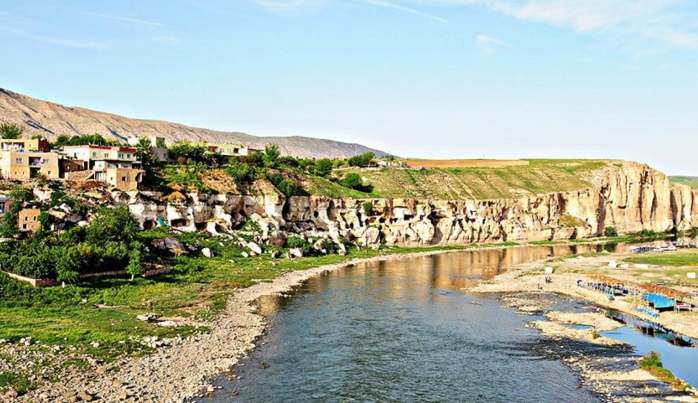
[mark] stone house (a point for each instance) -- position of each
(28, 220)
(25, 145)
(22, 165)
(231, 149)
(117, 166)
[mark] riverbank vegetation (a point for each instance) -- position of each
(651, 362)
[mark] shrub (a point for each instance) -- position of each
(289, 188)
(323, 167)
(610, 232)
(368, 208)
(352, 181)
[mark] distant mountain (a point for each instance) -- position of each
(50, 120)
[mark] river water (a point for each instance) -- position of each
(404, 331)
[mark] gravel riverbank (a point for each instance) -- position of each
(181, 372)
(525, 288)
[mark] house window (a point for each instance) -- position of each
(106, 155)
(44, 161)
(94, 154)
(49, 173)
(34, 218)
(24, 226)
(123, 179)
(18, 160)
(26, 218)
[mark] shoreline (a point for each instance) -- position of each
(234, 334)
(523, 280)
(158, 377)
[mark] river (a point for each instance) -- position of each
(405, 331)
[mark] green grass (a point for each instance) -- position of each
(691, 181)
(652, 363)
(678, 258)
(539, 177)
(20, 383)
(547, 242)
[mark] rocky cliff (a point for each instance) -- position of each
(630, 197)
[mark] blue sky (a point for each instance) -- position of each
(418, 78)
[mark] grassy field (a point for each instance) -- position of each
(476, 163)
(536, 177)
(688, 257)
(691, 181)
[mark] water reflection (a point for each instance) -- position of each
(402, 330)
(452, 271)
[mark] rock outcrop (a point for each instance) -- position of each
(631, 198)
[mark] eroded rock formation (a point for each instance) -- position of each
(631, 198)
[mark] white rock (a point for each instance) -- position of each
(207, 252)
(255, 248)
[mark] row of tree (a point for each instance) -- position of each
(110, 242)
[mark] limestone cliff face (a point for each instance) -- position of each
(630, 197)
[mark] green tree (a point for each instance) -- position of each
(45, 219)
(11, 130)
(271, 154)
(135, 263)
(115, 225)
(362, 160)
(149, 162)
(61, 140)
(9, 227)
(323, 167)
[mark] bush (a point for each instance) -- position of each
(361, 160)
(352, 181)
(610, 232)
(289, 188)
(304, 245)
(368, 208)
(323, 167)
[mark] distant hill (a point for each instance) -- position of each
(691, 181)
(50, 120)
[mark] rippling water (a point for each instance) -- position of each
(404, 331)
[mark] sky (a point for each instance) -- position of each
(416, 78)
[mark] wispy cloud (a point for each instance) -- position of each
(131, 20)
(490, 40)
(382, 3)
(65, 42)
(658, 20)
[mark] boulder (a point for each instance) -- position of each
(173, 245)
(207, 252)
(255, 248)
(296, 252)
(278, 238)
